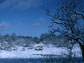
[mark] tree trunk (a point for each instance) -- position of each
(82, 50)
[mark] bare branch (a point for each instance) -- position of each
(80, 14)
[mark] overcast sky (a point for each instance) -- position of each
(25, 17)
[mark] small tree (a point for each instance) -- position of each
(36, 40)
(69, 20)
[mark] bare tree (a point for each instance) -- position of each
(68, 20)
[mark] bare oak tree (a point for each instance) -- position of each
(68, 20)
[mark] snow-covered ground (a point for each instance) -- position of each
(31, 53)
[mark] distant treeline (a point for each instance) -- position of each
(9, 41)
